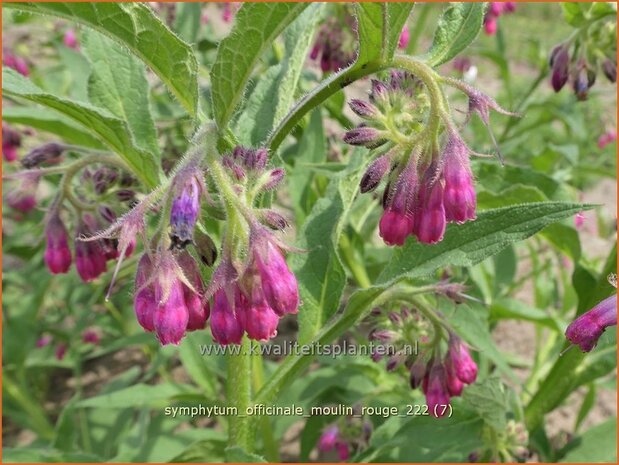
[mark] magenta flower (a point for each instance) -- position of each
(430, 220)
(22, 197)
(607, 138)
(405, 37)
(328, 439)
(375, 173)
(397, 220)
(463, 365)
(171, 316)
(435, 389)
(279, 284)
(70, 39)
(90, 256)
(226, 326)
(43, 341)
(17, 63)
(144, 302)
(257, 318)
(61, 351)
(57, 253)
(198, 312)
(559, 63)
(585, 330)
(11, 140)
(460, 198)
(90, 336)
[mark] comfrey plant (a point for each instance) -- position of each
(418, 148)
(222, 193)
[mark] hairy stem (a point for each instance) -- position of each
(238, 393)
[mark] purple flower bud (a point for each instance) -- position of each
(460, 199)
(70, 39)
(57, 253)
(275, 177)
(463, 365)
(61, 351)
(185, 211)
(226, 327)
(125, 195)
(363, 109)
(585, 330)
(509, 7)
(395, 318)
(454, 384)
(430, 221)
(171, 316)
(315, 50)
(495, 9)
(107, 213)
(90, 257)
(405, 37)
(257, 318)
(198, 313)
(375, 173)
(11, 140)
(233, 167)
(418, 372)
(583, 81)
(273, 220)
(15, 62)
(383, 335)
(256, 159)
(379, 91)
(559, 62)
(362, 136)
(43, 341)
(22, 197)
(490, 25)
(328, 439)
(90, 336)
(397, 221)
(609, 68)
(437, 395)
(46, 154)
(144, 301)
(279, 284)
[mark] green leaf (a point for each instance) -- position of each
(118, 84)
(574, 13)
(319, 271)
(111, 130)
(135, 26)
(187, 22)
(597, 444)
(52, 122)
(513, 195)
(456, 29)
(275, 91)
(256, 26)
(490, 400)
(517, 310)
(45, 455)
(470, 243)
(380, 25)
(137, 396)
(563, 238)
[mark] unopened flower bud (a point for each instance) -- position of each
(437, 395)
(198, 313)
(362, 136)
(144, 301)
(559, 62)
(379, 91)
(45, 154)
(396, 223)
(375, 173)
(405, 37)
(22, 196)
(459, 198)
(275, 177)
(418, 372)
(107, 213)
(90, 256)
(11, 140)
(70, 39)
(454, 384)
(125, 195)
(583, 81)
(90, 336)
(585, 330)
(273, 220)
(363, 109)
(57, 253)
(430, 221)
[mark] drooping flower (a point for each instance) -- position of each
(185, 209)
(435, 389)
(460, 199)
(46, 154)
(144, 301)
(328, 439)
(460, 359)
(171, 315)
(57, 253)
(198, 311)
(585, 330)
(22, 196)
(19, 64)
(90, 256)
(397, 221)
(430, 219)
(226, 326)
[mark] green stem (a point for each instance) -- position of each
(356, 266)
(238, 393)
(38, 418)
(322, 92)
(271, 450)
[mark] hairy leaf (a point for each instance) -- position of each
(456, 29)
(470, 243)
(118, 84)
(111, 130)
(135, 26)
(256, 27)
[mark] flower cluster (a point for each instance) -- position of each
(585, 330)
(427, 186)
(607, 138)
(440, 376)
(582, 56)
(348, 434)
(495, 10)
